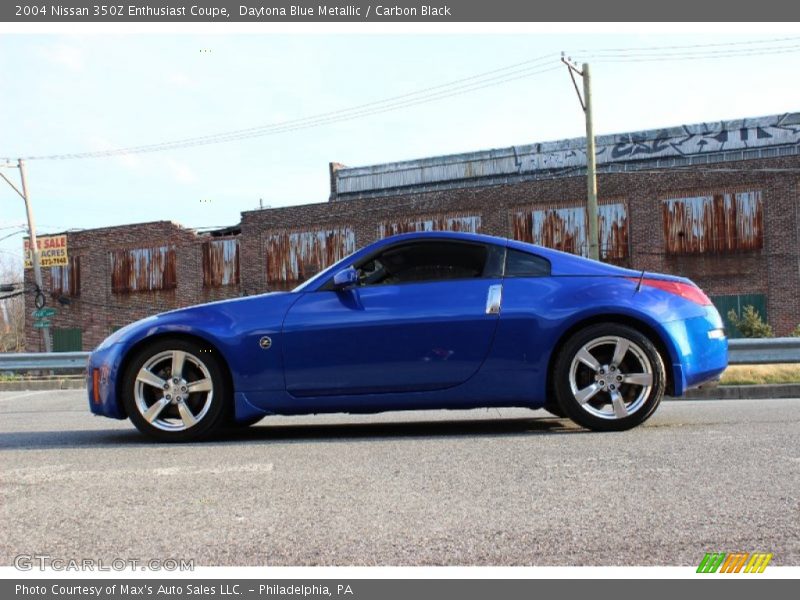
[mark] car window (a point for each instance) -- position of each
(522, 264)
(424, 261)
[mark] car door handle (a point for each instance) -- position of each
(494, 299)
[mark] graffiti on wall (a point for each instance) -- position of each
(470, 223)
(686, 140)
(295, 256)
(681, 141)
(723, 222)
(566, 229)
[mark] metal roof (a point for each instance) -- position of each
(716, 141)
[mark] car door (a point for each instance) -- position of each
(425, 323)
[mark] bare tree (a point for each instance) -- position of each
(12, 306)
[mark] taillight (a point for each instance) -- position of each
(684, 290)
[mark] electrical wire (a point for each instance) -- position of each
(450, 89)
(692, 52)
(695, 46)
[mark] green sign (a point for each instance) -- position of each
(41, 324)
(44, 312)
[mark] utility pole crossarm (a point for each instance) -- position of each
(571, 69)
(11, 183)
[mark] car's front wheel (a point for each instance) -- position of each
(174, 390)
(609, 377)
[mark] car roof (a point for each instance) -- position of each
(451, 235)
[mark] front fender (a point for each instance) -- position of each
(233, 327)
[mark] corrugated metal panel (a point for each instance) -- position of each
(220, 262)
(565, 229)
(143, 269)
(451, 222)
(296, 256)
(66, 281)
(723, 222)
(699, 139)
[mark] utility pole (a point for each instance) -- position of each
(34, 248)
(591, 159)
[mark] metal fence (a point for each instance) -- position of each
(746, 351)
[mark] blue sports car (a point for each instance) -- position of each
(419, 321)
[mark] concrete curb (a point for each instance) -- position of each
(743, 392)
(725, 392)
(35, 386)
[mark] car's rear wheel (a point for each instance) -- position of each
(174, 390)
(609, 377)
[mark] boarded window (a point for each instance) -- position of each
(66, 281)
(724, 222)
(143, 269)
(67, 340)
(220, 263)
(470, 223)
(566, 229)
(296, 256)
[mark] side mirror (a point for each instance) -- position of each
(345, 278)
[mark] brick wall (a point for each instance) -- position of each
(98, 310)
(774, 270)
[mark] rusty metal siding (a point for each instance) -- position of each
(66, 281)
(449, 222)
(143, 269)
(293, 257)
(220, 262)
(716, 223)
(566, 229)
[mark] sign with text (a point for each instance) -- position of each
(52, 251)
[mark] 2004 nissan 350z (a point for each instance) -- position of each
(419, 321)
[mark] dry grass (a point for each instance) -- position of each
(758, 374)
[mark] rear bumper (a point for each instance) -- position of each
(702, 351)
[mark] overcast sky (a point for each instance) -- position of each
(64, 94)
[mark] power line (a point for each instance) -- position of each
(694, 46)
(450, 89)
(679, 57)
(665, 53)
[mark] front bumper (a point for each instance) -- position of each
(102, 376)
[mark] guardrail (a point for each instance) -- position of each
(763, 351)
(35, 361)
(743, 351)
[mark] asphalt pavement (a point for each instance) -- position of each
(483, 487)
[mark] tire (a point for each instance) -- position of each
(182, 408)
(609, 377)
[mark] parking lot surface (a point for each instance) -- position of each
(483, 487)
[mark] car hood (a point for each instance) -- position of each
(224, 314)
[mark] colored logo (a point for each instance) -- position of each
(736, 562)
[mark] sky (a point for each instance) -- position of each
(67, 93)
